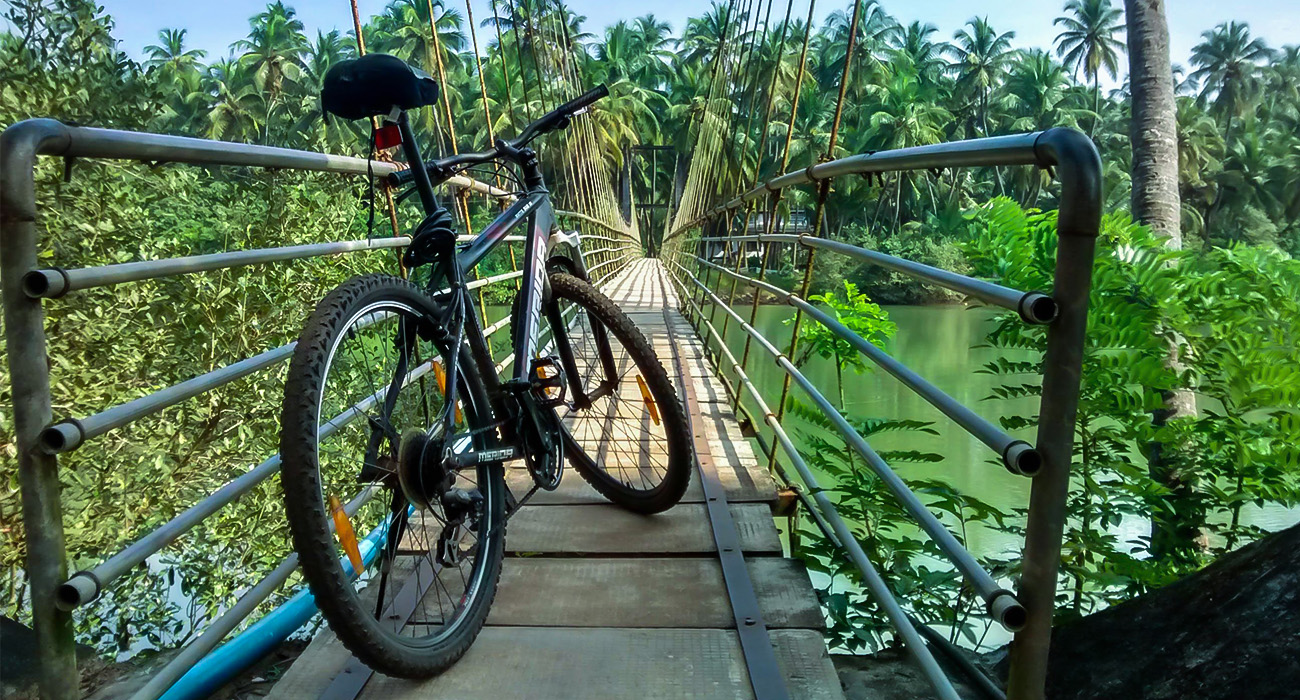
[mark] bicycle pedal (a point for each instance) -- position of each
(546, 377)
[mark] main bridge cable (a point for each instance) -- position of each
(581, 188)
(686, 207)
(822, 192)
(770, 223)
(487, 120)
(462, 207)
(758, 159)
(582, 139)
(745, 101)
(505, 66)
(585, 134)
(732, 136)
(461, 199)
(723, 135)
(701, 156)
(749, 126)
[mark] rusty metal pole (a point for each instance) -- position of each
(785, 162)
(1079, 168)
(29, 374)
(740, 257)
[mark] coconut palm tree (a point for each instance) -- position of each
(1088, 43)
(403, 30)
(980, 55)
(904, 118)
(705, 34)
(1039, 93)
(1227, 69)
(926, 56)
(273, 52)
(656, 43)
(236, 103)
(170, 54)
(313, 125)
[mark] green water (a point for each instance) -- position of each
(938, 343)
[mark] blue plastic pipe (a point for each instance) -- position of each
(246, 648)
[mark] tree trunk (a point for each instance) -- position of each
(1153, 134)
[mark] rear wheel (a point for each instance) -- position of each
(628, 435)
(365, 487)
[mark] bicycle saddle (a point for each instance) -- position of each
(371, 86)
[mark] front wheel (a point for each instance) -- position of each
(401, 552)
(626, 431)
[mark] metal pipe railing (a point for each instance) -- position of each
(1033, 307)
(1001, 603)
(1016, 149)
(1077, 165)
(1018, 456)
(830, 516)
(55, 282)
(71, 433)
(84, 586)
(25, 286)
(247, 603)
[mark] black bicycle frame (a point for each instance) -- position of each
(532, 211)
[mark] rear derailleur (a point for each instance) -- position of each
(426, 480)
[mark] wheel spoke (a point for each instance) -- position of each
(370, 400)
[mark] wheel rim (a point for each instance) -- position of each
(622, 432)
(397, 543)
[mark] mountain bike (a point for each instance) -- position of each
(396, 429)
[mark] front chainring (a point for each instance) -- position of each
(546, 466)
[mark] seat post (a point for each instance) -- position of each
(413, 158)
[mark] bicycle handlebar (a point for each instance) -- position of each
(557, 118)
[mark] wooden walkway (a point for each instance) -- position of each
(596, 602)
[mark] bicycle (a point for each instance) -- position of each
(396, 429)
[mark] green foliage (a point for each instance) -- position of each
(858, 314)
(907, 558)
(1229, 314)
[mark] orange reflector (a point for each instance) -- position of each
(648, 399)
(441, 376)
(347, 536)
(550, 391)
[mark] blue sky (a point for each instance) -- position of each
(214, 25)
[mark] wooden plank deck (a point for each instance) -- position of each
(599, 603)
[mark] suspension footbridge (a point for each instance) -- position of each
(696, 602)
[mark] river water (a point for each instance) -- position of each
(939, 343)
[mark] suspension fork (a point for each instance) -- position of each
(564, 348)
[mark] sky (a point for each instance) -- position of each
(213, 26)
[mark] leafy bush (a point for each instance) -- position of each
(1230, 315)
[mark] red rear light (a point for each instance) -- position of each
(387, 136)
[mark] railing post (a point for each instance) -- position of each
(29, 374)
(768, 226)
(822, 192)
(740, 256)
(1079, 168)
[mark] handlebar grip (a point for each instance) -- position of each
(584, 100)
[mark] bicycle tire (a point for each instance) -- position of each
(676, 431)
(310, 524)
